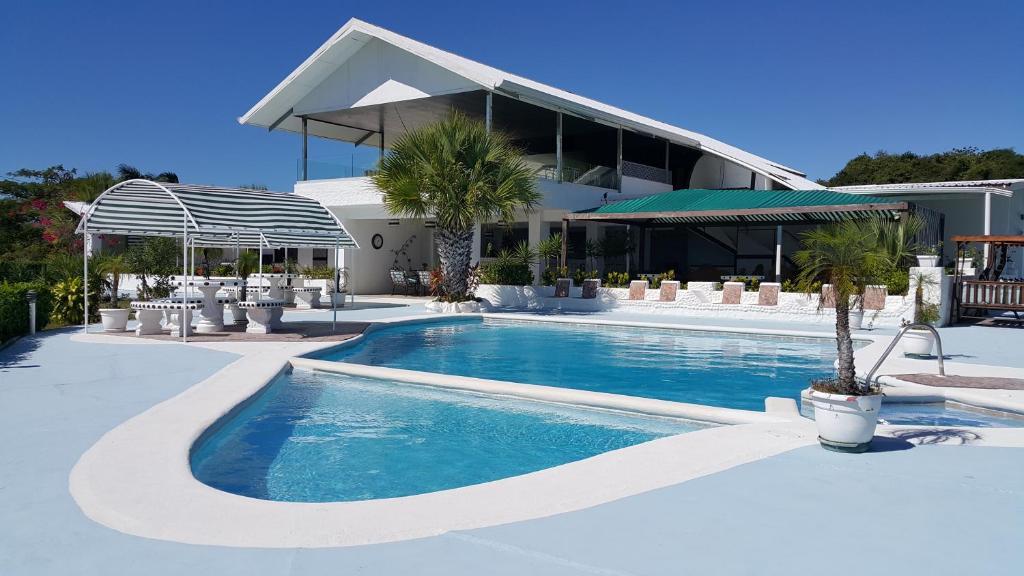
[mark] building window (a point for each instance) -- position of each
(319, 256)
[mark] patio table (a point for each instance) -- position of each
(276, 284)
(211, 317)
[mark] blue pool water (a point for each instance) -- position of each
(313, 437)
(717, 369)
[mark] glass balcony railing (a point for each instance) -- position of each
(339, 167)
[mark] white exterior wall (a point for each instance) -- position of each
(369, 268)
(713, 173)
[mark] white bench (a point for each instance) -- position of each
(305, 297)
(264, 315)
(179, 316)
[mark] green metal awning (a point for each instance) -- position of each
(714, 206)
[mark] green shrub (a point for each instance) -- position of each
(895, 278)
(617, 280)
(580, 275)
(657, 280)
(789, 285)
(14, 308)
(553, 273)
(69, 302)
(510, 268)
(318, 272)
(223, 270)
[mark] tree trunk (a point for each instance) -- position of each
(844, 343)
(455, 250)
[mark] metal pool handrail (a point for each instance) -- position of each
(882, 358)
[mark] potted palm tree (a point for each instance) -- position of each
(460, 174)
(114, 319)
(844, 255)
(920, 342)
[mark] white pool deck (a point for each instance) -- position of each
(757, 500)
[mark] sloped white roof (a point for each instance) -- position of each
(1003, 187)
(356, 33)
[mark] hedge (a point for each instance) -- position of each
(14, 308)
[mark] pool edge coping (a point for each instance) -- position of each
(123, 483)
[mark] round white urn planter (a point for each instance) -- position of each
(114, 319)
(918, 342)
(927, 260)
(856, 319)
(845, 423)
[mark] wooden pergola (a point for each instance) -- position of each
(989, 291)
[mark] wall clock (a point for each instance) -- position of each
(377, 241)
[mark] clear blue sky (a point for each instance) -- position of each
(809, 84)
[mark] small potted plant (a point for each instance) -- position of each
(928, 255)
(114, 319)
(920, 342)
(969, 261)
(844, 255)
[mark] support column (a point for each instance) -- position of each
(534, 235)
(558, 147)
(778, 253)
(618, 159)
(380, 156)
(474, 255)
(488, 115)
(305, 150)
(565, 243)
(988, 229)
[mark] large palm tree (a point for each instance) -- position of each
(129, 172)
(460, 174)
(843, 254)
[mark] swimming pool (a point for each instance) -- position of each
(314, 437)
(713, 368)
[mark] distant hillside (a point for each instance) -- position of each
(957, 164)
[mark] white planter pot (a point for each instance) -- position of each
(918, 342)
(114, 319)
(856, 319)
(845, 423)
(927, 260)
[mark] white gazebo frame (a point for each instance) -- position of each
(304, 223)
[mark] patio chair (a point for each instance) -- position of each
(424, 278)
(402, 282)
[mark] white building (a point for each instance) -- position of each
(965, 208)
(366, 85)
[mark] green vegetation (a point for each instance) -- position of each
(657, 280)
(956, 164)
(14, 307)
(616, 279)
(153, 262)
(460, 174)
(843, 254)
(510, 267)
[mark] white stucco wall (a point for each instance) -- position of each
(712, 172)
(368, 267)
(792, 307)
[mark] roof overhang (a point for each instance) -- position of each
(274, 111)
(746, 206)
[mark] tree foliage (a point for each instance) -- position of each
(954, 165)
(460, 174)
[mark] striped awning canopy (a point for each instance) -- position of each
(214, 216)
(714, 206)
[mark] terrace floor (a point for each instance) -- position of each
(907, 509)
